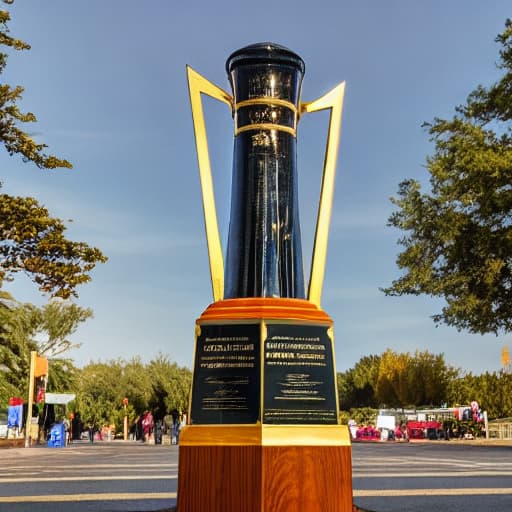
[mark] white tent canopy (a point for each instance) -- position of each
(59, 398)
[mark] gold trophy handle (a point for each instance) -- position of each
(333, 100)
(197, 84)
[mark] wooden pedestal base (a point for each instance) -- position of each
(265, 468)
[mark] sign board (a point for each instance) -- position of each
(386, 422)
(59, 398)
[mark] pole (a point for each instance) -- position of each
(125, 430)
(28, 423)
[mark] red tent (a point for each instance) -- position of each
(420, 429)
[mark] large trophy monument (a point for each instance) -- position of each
(264, 432)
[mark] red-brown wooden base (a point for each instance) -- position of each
(263, 478)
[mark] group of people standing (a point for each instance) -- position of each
(147, 430)
(142, 429)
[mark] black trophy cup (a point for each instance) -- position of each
(264, 432)
(264, 257)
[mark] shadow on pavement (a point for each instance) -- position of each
(355, 508)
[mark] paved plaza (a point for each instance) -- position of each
(133, 477)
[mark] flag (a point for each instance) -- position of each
(41, 367)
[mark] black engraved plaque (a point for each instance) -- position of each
(299, 382)
(226, 385)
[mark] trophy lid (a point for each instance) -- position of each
(262, 53)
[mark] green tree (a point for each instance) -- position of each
(458, 237)
(16, 343)
(25, 328)
(366, 375)
(136, 385)
(170, 386)
(100, 393)
(356, 386)
(54, 322)
(346, 390)
(395, 379)
(159, 386)
(363, 415)
(493, 392)
(32, 242)
(429, 379)
(15, 140)
(461, 390)
(62, 375)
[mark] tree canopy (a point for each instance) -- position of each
(30, 240)
(46, 329)
(160, 386)
(34, 243)
(394, 379)
(15, 140)
(458, 236)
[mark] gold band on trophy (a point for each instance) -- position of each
(266, 126)
(267, 100)
(274, 124)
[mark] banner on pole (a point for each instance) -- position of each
(41, 367)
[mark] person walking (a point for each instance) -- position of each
(67, 430)
(92, 430)
(148, 426)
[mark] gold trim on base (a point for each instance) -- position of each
(265, 435)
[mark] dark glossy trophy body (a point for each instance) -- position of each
(264, 257)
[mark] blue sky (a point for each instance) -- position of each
(107, 82)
